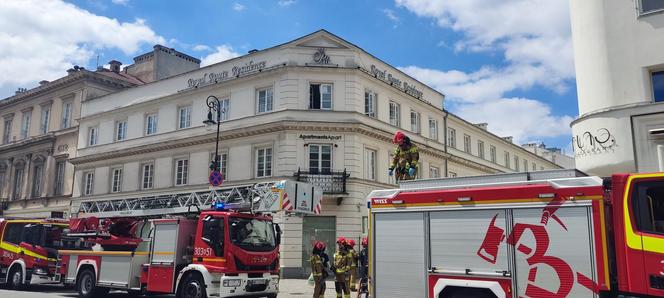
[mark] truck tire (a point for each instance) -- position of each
(192, 287)
(15, 278)
(86, 285)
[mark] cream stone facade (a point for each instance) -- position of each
(620, 83)
(317, 109)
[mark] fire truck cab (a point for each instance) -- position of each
(28, 251)
(538, 234)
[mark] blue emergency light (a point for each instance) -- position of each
(219, 206)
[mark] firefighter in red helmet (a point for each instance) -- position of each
(318, 269)
(352, 272)
(341, 268)
(405, 160)
(363, 282)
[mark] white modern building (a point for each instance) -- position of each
(317, 109)
(620, 81)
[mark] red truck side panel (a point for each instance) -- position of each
(160, 278)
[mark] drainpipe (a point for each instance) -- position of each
(445, 138)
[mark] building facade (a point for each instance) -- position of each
(555, 155)
(620, 82)
(316, 109)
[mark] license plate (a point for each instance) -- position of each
(253, 282)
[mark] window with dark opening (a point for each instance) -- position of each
(320, 96)
(658, 85)
(648, 205)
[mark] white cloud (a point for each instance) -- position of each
(534, 39)
(42, 48)
(120, 2)
(222, 53)
(390, 15)
(201, 48)
(286, 2)
(238, 7)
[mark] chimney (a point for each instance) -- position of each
(115, 65)
(509, 139)
(43, 82)
(71, 71)
(482, 125)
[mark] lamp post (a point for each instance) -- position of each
(214, 105)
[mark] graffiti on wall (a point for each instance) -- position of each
(591, 143)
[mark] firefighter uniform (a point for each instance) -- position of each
(342, 266)
(352, 277)
(318, 269)
(405, 157)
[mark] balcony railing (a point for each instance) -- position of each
(331, 182)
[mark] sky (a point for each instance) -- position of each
(505, 62)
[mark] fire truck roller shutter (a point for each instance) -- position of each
(399, 261)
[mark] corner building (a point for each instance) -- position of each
(316, 109)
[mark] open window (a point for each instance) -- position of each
(648, 204)
(213, 234)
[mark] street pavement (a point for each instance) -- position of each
(288, 288)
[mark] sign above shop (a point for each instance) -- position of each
(215, 77)
(386, 77)
(320, 137)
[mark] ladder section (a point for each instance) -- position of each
(273, 196)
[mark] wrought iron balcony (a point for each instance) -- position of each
(331, 182)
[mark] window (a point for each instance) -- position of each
(66, 114)
(480, 149)
(181, 171)
(466, 144)
(184, 116)
(13, 233)
(434, 172)
(7, 132)
(223, 159)
(433, 129)
(225, 108)
(452, 174)
(365, 225)
(647, 6)
(2, 182)
(59, 177)
(395, 114)
(93, 134)
(116, 180)
(658, 85)
(18, 183)
(264, 100)
(45, 117)
(534, 167)
(451, 137)
(525, 165)
(320, 159)
(25, 124)
(121, 130)
(370, 103)
(213, 234)
(516, 163)
(320, 96)
(151, 122)
(263, 162)
(370, 163)
(507, 160)
(38, 180)
(88, 183)
(648, 206)
(147, 175)
(414, 121)
(492, 152)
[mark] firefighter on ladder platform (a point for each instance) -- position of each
(405, 160)
(341, 268)
(318, 269)
(352, 254)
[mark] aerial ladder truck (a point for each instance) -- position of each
(213, 243)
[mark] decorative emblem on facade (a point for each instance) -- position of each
(320, 57)
(589, 144)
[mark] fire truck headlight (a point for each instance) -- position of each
(40, 271)
(232, 282)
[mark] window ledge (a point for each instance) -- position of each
(649, 13)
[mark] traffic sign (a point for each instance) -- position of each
(215, 178)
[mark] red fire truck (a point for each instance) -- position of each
(28, 251)
(540, 234)
(166, 245)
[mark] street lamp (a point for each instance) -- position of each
(214, 105)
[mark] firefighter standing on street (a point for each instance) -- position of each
(363, 282)
(341, 267)
(352, 254)
(405, 160)
(318, 269)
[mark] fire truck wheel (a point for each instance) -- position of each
(87, 285)
(16, 278)
(192, 287)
